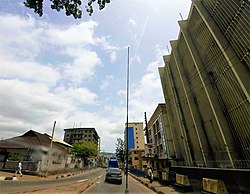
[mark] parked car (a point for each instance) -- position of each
(114, 175)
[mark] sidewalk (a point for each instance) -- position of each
(4, 175)
(157, 187)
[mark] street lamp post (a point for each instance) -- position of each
(127, 151)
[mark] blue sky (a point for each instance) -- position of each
(74, 71)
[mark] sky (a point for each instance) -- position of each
(73, 71)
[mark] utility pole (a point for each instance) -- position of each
(53, 130)
(50, 148)
(127, 151)
(146, 127)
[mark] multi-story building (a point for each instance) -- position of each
(135, 144)
(160, 137)
(159, 133)
(205, 83)
(135, 135)
(137, 158)
(72, 135)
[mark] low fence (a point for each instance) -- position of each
(236, 180)
(238, 164)
(36, 168)
(12, 165)
(137, 172)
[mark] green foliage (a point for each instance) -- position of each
(100, 161)
(72, 7)
(119, 151)
(84, 149)
(15, 157)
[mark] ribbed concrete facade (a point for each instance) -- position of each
(206, 84)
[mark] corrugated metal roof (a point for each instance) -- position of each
(33, 139)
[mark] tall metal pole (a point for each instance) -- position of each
(127, 151)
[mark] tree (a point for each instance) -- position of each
(84, 149)
(72, 7)
(119, 151)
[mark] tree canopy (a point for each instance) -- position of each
(84, 149)
(72, 7)
(119, 151)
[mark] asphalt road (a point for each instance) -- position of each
(89, 182)
(43, 185)
(100, 186)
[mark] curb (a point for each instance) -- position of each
(8, 178)
(57, 177)
(72, 174)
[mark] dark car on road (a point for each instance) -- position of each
(114, 175)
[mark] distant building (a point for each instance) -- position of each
(136, 145)
(72, 135)
(137, 159)
(205, 83)
(135, 136)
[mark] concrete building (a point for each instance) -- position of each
(72, 135)
(160, 134)
(161, 138)
(137, 158)
(205, 83)
(135, 136)
(136, 145)
(37, 156)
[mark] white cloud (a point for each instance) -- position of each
(106, 81)
(29, 52)
(81, 34)
(19, 37)
(82, 68)
(77, 96)
(113, 57)
(147, 93)
(132, 22)
(28, 104)
(108, 47)
(28, 70)
(23, 39)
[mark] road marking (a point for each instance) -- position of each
(82, 180)
(100, 176)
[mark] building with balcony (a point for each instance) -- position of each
(205, 83)
(161, 138)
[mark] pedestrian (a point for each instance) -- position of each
(19, 168)
(150, 174)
